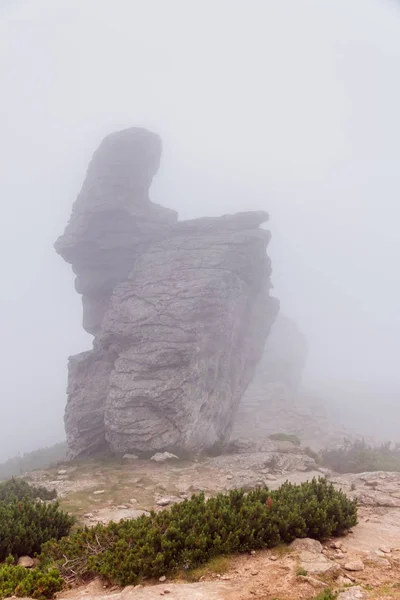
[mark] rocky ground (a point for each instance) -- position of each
(364, 564)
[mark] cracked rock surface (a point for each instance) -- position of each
(180, 311)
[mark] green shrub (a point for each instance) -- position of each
(197, 530)
(26, 525)
(285, 437)
(28, 583)
(359, 457)
(18, 489)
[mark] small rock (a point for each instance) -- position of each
(26, 561)
(88, 515)
(379, 562)
(316, 583)
(225, 578)
(229, 477)
(130, 457)
(139, 586)
(162, 579)
(385, 549)
(98, 492)
(121, 507)
(353, 593)
(354, 565)
(341, 580)
(133, 501)
(339, 555)
(254, 573)
(336, 545)
(273, 558)
(167, 591)
(163, 456)
(62, 472)
(308, 545)
(252, 552)
(164, 501)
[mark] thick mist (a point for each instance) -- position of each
(290, 106)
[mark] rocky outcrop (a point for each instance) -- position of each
(273, 401)
(180, 311)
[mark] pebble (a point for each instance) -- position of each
(385, 549)
(62, 472)
(229, 476)
(98, 492)
(162, 579)
(254, 573)
(273, 557)
(130, 457)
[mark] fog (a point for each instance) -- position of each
(290, 106)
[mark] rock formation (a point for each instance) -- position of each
(180, 311)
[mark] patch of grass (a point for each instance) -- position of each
(285, 437)
(43, 458)
(359, 457)
(326, 595)
(216, 566)
(282, 550)
(301, 572)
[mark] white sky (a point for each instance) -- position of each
(291, 106)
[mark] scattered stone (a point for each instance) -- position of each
(342, 580)
(163, 456)
(385, 549)
(316, 583)
(162, 579)
(273, 558)
(26, 561)
(254, 573)
(62, 472)
(130, 457)
(88, 515)
(354, 565)
(164, 501)
(378, 561)
(229, 477)
(339, 555)
(252, 552)
(337, 545)
(122, 507)
(98, 492)
(353, 593)
(133, 501)
(307, 544)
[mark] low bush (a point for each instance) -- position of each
(28, 583)
(25, 525)
(19, 489)
(285, 437)
(197, 530)
(358, 457)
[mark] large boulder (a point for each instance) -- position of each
(180, 310)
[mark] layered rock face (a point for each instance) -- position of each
(180, 311)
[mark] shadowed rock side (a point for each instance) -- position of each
(180, 310)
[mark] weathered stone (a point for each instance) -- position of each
(130, 457)
(354, 565)
(353, 593)
(26, 561)
(180, 311)
(163, 456)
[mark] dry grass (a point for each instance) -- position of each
(216, 566)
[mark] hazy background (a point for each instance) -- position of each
(286, 105)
